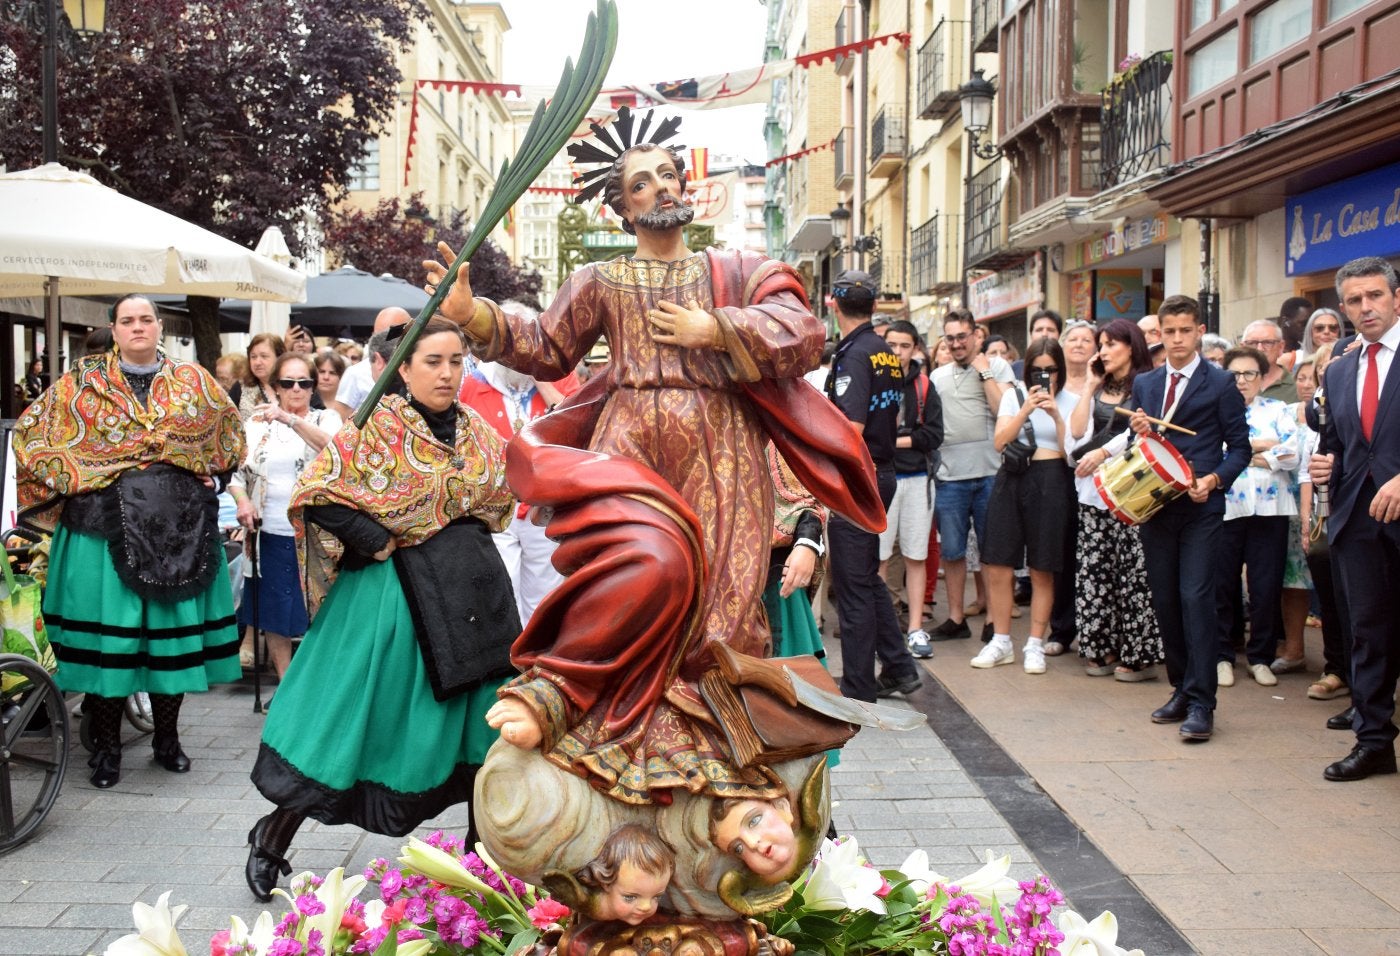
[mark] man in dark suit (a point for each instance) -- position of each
(1181, 541)
(1359, 457)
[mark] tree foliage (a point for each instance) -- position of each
(396, 237)
(234, 115)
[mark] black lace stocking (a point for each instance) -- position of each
(165, 709)
(105, 714)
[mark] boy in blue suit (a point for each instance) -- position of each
(1181, 541)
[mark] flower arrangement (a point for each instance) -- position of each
(443, 900)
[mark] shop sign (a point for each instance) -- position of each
(1119, 294)
(1128, 236)
(998, 293)
(1329, 227)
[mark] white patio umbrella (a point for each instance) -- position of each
(63, 231)
(270, 316)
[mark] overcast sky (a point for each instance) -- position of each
(656, 41)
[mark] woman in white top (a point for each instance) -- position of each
(1257, 508)
(283, 438)
(1029, 512)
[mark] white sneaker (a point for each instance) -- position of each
(996, 653)
(1033, 657)
(1225, 674)
(1263, 675)
(919, 644)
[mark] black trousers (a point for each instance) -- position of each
(1259, 547)
(1366, 554)
(1178, 545)
(1336, 623)
(864, 608)
(1062, 626)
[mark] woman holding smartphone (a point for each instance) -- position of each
(1029, 511)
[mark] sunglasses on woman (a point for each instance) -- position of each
(305, 383)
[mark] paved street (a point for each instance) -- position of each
(1239, 843)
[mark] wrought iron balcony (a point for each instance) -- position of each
(986, 14)
(982, 216)
(934, 261)
(845, 167)
(941, 69)
(1136, 115)
(887, 140)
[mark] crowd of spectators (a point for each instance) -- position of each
(1089, 588)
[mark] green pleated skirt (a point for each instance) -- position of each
(354, 734)
(112, 642)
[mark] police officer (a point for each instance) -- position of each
(866, 383)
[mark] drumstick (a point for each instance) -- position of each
(1156, 421)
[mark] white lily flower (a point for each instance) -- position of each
(415, 947)
(917, 872)
(259, 938)
(985, 884)
(440, 867)
(335, 892)
(1097, 937)
(155, 931)
(374, 913)
(840, 880)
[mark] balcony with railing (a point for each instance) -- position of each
(845, 33)
(843, 163)
(982, 217)
(887, 141)
(935, 257)
(941, 69)
(986, 14)
(1136, 117)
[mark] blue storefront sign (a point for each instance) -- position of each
(1330, 226)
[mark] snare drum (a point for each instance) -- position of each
(1140, 482)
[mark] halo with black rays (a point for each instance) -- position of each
(608, 148)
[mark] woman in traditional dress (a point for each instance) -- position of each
(422, 482)
(122, 459)
(282, 441)
(1117, 627)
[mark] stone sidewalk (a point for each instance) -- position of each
(70, 889)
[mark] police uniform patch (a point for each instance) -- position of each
(843, 382)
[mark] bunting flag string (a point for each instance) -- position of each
(800, 153)
(738, 88)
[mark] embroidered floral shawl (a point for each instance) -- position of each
(397, 473)
(89, 427)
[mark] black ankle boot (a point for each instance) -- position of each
(264, 864)
(106, 768)
(169, 754)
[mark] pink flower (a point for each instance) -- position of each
(884, 889)
(547, 911)
(393, 913)
(218, 946)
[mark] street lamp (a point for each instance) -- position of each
(975, 98)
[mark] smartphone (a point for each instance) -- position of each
(1041, 377)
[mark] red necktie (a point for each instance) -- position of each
(1171, 394)
(1370, 391)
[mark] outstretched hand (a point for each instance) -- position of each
(688, 326)
(459, 306)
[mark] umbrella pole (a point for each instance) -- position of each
(53, 328)
(258, 649)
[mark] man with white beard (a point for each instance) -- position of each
(508, 399)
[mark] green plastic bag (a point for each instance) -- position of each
(22, 618)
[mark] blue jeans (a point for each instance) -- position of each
(960, 504)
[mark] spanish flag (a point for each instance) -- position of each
(699, 164)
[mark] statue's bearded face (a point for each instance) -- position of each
(654, 192)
